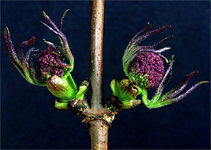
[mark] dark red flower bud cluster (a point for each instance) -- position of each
(50, 63)
(149, 68)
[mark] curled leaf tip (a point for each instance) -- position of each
(44, 14)
(192, 73)
(165, 27)
(166, 48)
(6, 29)
(66, 11)
(6, 32)
(31, 41)
(149, 26)
(168, 26)
(202, 82)
(61, 22)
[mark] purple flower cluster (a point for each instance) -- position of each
(49, 64)
(147, 70)
(143, 65)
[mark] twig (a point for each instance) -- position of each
(96, 54)
(98, 128)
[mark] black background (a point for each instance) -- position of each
(28, 117)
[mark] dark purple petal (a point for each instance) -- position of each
(62, 19)
(166, 78)
(158, 51)
(180, 86)
(50, 21)
(50, 44)
(22, 45)
(28, 76)
(146, 35)
(62, 37)
(167, 61)
(162, 41)
(138, 35)
(61, 49)
(170, 101)
(51, 29)
(10, 49)
(129, 55)
(188, 91)
(20, 50)
(29, 63)
(60, 62)
(153, 47)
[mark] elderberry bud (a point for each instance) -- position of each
(51, 69)
(146, 70)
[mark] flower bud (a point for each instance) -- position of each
(56, 74)
(144, 66)
(50, 63)
(62, 87)
(146, 70)
(51, 69)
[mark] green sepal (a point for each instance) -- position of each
(82, 90)
(126, 91)
(121, 93)
(130, 104)
(61, 104)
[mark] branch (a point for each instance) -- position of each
(96, 55)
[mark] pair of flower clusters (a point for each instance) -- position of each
(143, 65)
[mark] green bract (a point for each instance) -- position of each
(126, 91)
(63, 88)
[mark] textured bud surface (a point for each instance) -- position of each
(49, 64)
(146, 70)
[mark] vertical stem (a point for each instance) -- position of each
(99, 134)
(98, 128)
(96, 48)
